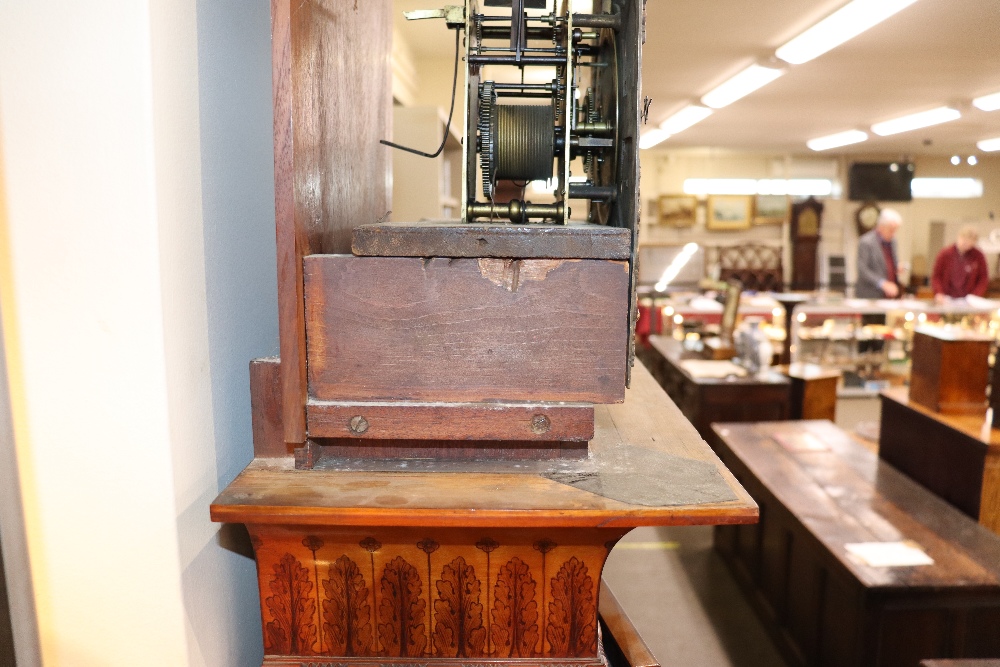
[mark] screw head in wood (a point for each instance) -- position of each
(540, 424)
(358, 425)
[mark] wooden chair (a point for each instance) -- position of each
(756, 265)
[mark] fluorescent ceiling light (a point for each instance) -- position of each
(819, 187)
(674, 268)
(837, 140)
(987, 102)
(650, 138)
(847, 22)
(916, 121)
(740, 85)
(989, 145)
(685, 118)
(946, 188)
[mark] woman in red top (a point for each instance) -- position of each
(960, 269)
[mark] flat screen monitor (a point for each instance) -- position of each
(880, 181)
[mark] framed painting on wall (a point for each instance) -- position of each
(678, 210)
(770, 209)
(728, 213)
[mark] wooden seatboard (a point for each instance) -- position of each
(272, 491)
(452, 421)
(847, 495)
(451, 238)
(466, 330)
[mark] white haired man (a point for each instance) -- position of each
(877, 267)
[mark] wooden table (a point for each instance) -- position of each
(538, 527)
(707, 400)
(823, 606)
(945, 453)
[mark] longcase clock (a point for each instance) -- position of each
(807, 217)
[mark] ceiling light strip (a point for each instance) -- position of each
(844, 24)
(685, 118)
(916, 121)
(989, 145)
(987, 102)
(652, 137)
(740, 85)
(837, 140)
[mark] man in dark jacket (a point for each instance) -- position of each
(960, 269)
(877, 268)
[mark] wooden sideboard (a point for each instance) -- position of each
(707, 400)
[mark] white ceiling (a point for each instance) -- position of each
(933, 53)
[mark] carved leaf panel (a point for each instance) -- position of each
(459, 630)
(346, 611)
(572, 619)
(292, 629)
(515, 612)
(401, 610)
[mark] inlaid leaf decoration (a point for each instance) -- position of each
(515, 612)
(346, 611)
(292, 630)
(401, 610)
(459, 631)
(572, 630)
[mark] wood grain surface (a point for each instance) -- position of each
(819, 491)
(813, 393)
(451, 421)
(332, 105)
(265, 409)
(272, 491)
(949, 374)
(431, 595)
(846, 494)
(292, 242)
(945, 453)
(466, 330)
(456, 239)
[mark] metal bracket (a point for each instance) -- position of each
(453, 15)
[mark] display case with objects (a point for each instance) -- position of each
(870, 341)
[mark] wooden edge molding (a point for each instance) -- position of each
(454, 239)
(450, 421)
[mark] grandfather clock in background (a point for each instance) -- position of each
(806, 218)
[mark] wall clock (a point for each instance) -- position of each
(866, 217)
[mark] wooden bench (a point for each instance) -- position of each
(820, 491)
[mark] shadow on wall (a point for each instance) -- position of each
(234, 70)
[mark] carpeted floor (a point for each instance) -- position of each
(683, 601)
